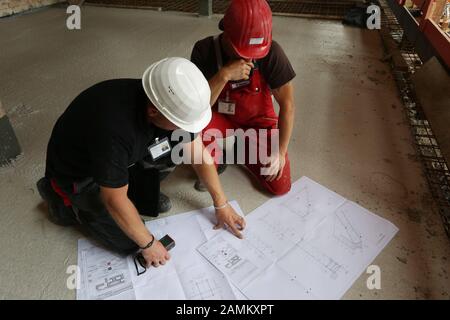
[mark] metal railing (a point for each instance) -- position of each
(434, 165)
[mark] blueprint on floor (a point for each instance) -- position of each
(105, 275)
(308, 244)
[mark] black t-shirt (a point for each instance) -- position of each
(102, 133)
(275, 67)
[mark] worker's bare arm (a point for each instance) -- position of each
(207, 173)
(284, 95)
(127, 218)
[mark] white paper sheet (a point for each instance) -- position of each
(187, 275)
(197, 279)
(310, 243)
(103, 273)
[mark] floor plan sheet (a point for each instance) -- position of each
(187, 275)
(309, 244)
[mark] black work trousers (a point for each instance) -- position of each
(89, 211)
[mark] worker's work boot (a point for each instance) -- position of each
(164, 203)
(58, 213)
(199, 186)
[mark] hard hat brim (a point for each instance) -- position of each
(194, 127)
(252, 52)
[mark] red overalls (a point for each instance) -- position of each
(253, 110)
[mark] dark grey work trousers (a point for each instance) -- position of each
(90, 213)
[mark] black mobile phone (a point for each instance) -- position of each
(255, 63)
(167, 242)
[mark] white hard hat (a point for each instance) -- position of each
(178, 89)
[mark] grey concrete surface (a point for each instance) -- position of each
(350, 135)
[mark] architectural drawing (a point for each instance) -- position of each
(205, 288)
(345, 232)
(300, 203)
(307, 235)
(326, 263)
(279, 227)
(187, 275)
(106, 274)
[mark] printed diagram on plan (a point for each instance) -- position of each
(203, 288)
(345, 232)
(311, 243)
(187, 275)
(308, 244)
(300, 203)
(203, 285)
(105, 274)
(324, 262)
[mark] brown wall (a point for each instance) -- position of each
(9, 7)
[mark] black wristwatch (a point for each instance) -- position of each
(149, 244)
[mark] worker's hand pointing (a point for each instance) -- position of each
(237, 70)
(228, 217)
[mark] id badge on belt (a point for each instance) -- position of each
(160, 148)
(227, 106)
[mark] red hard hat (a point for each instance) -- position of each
(248, 26)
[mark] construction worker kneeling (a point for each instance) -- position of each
(245, 68)
(112, 146)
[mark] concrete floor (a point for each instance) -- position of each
(350, 135)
